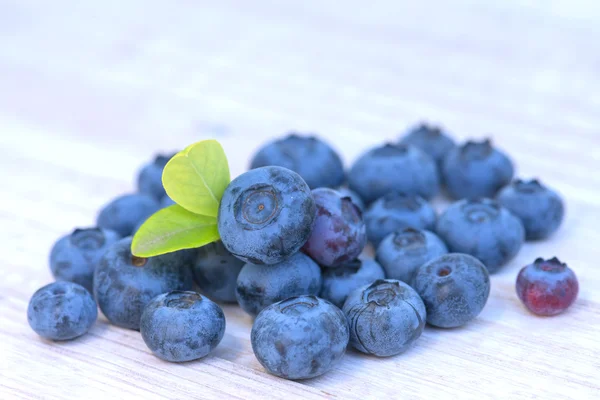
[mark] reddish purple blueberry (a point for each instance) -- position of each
(547, 287)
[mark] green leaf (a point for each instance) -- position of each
(196, 177)
(173, 228)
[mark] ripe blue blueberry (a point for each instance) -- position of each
(402, 252)
(74, 257)
(61, 311)
(358, 202)
(476, 169)
(125, 213)
(430, 139)
(125, 284)
(149, 180)
(396, 211)
(385, 317)
(540, 209)
(216, 272)
(182, 326)
(300, 338)
(314, 160)
(454, 288)
(259, 286)
(483, 229)
(339, 232)
(339, 282)
(266, 215)
(393, 168)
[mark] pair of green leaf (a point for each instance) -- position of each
(195, 178)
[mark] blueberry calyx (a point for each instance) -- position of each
(181, 299)
(473, 150)
(530, 186)
(481, 210)
(382, 292)
(430, 130)
(89, 238)
(396, 200)
(138, 261)
(257, 206)
(409, 238)
(350, 211)
(162, 159)
(551, 265)
(294, 307)
(390, 150)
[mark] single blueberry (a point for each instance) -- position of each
(396, 211)
(483, 229)
(393, 168)
(259, 286)
(266, 215)
(358, 202)
(124, 284)
(339, 282)
(149, 180)
(125, 213)
(540, 209)
(430, 139)
(402, 252)
(339, 232)
(61, 311)
(74, 256)
(454, 288)
(313, 159)
(300, 338)
(216, 272)
(182, 326)
(476, 169)
(385, 317)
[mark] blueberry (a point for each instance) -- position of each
(402, 252)
(266, 215)
(74, 257)
(396, 211)
(385, 317)
(345, 192)
(61, 311)
(547, 287)
(339, 232)
(483, 229)
(393, 168)
(259, 286)
(216, 272)
(182, 326)
(125, 284)
(314, 160)
(125, 213)
(166, 202)
(454, 288)
(149, 180)
(476, 169)
(339, 282)
(540, 209)
(430, 139)
(300, 338)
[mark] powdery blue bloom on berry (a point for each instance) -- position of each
(216, 271)
(125, 213)
(266, 215)
(385, 317)
(430, 139)
(313, 159)
(339, 282)
(300, 338)
(149, 180)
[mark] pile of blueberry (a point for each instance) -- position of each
(292, 254)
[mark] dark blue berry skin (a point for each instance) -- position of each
(454, 288)
(216, 272)
(339, 234)
(149, 180)
(182, 326)
(125, 284)
(300, 338)
(476, 169)
(430, 139)
(314, 160)
(339, 282)
(126, 212)
(259, 286)
(358, 202)
(266, 215)
(393, 168)
(74, 257)
(396, 211)
(540, 209)
(483, 229)
(61, 311)
(402, 252)
(385, 317)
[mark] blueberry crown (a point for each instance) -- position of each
(428, 130)
(390, 150)
(477, 149)
(401, 200)
(530, 186)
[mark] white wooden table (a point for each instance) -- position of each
(90, 90)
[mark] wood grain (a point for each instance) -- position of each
(90, 90)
